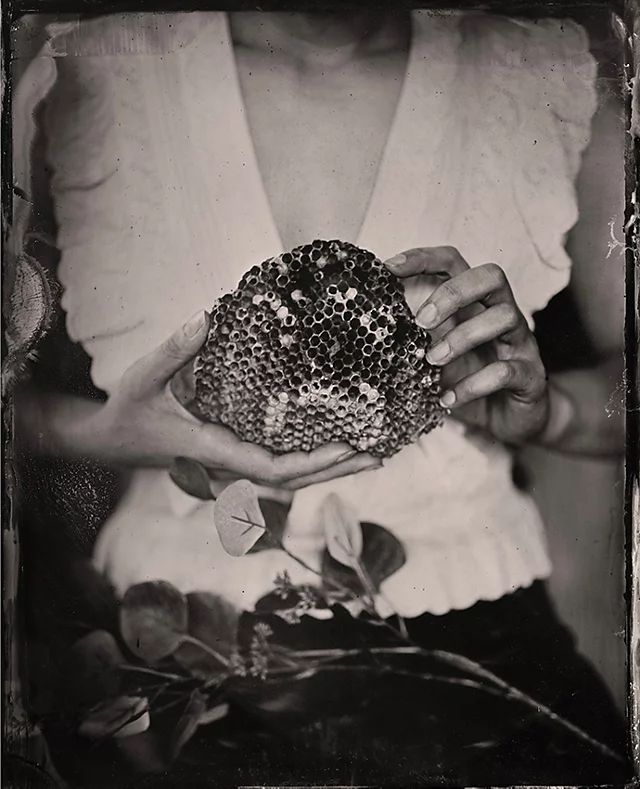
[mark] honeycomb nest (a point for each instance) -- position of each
(318, 345)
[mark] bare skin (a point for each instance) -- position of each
(493, 370)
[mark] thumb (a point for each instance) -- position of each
(159, 367)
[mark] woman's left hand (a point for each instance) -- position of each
(492, 373)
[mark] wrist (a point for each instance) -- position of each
(561, 412)
(72, 427)
(38, 422)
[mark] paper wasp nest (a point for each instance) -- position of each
(318, 345)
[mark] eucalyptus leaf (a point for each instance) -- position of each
(342, 530)
(120, 717)
(93, 596)
(191, 477)
(213, 621)
(92, 670)
(275, 514)
(238, 518)
(382, 553)
(153, 619)
(188, 723)
(214, 714)
(382, 556)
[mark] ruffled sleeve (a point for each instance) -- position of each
(560, 103)
(566, 72)
(106, 187)
(530, 96)
(97, 239)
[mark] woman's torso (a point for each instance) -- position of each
(319, 125)
(480, 152)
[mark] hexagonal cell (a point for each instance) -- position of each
(317, 345)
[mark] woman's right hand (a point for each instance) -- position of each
(144, 424)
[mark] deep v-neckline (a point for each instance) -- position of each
(409, 206)
(229, 209)
(390, 149)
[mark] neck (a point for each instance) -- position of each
(326, 36)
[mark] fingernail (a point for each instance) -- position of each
(371, 464)
(438, 353)
(448, 399)
(427, 316)
(396, 261)
(346, 455)
(193, 326)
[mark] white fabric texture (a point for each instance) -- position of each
(161, 209)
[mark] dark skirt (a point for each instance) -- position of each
(384, 728)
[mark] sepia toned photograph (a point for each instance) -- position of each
(319, 396)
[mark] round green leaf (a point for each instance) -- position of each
(275, 516)
(342, 530)
(238, 518)
(91, 670)
(382, 555)
(153, 619)
(191, 477)
(214, 622)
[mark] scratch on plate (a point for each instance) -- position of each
(615, 405)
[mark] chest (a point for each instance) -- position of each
(319, 139)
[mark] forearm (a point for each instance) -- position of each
(60, 425)
(121, 431)
(586, 411)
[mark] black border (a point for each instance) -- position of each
(628, 12)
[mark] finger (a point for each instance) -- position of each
(221, 481)
(442, 261)
(183, 385)
(224, 449)
(360, 462)
(503, 321)
(154, 371)
(320, 462)
(486, 284)
(525, 380)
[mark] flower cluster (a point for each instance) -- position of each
(259, 651)
(296, 600)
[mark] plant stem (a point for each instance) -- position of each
(206, 648)
(450, 658)
(169, 705)
(337, 584)
(367, 585)
(153, 672)
(461, 662)
(342, 653)
(464, 664)
(300, 561)
(469, 683)
(403, 627)
(470, 666)
(501, 688)
(160, 689)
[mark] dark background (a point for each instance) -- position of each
(581, 500)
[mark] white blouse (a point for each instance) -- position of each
(161, 209)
